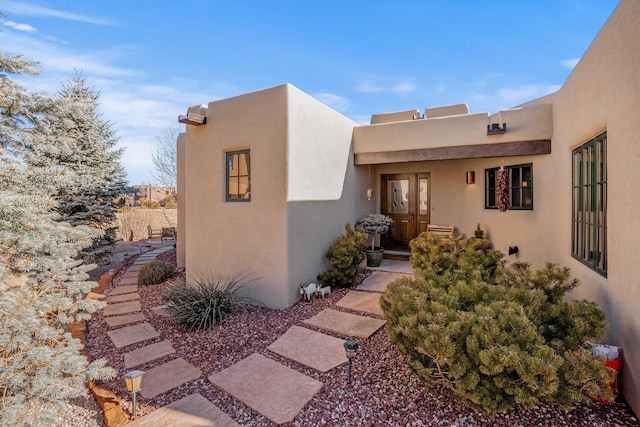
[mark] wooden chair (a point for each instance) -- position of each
(154, 234)
(442, 231)
(169, 233)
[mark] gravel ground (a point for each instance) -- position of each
(383, 391)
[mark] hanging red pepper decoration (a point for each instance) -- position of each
(502, 189)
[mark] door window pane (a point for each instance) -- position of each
(424, 196)
(398, 196)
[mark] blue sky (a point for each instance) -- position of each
(150, 60)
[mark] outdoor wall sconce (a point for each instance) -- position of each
(133, 380)
(513, 250)
(495, 129)
(369, 190)
(471, 177)
(193, 119)
(351, 348)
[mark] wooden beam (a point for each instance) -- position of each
(478, 151)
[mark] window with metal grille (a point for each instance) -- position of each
(589, 204)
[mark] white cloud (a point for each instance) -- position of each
(20, 27)
(525, 93)
(504, 98)
(337, 102)
(403, 87)
(62, 59)
(24, 9)
(570, 63)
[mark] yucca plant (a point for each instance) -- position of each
(207, 299)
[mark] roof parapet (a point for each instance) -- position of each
(446, 111)
(397, 116)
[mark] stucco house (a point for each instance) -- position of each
(269, 179)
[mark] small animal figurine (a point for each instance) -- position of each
(308, 291)
(321, 292)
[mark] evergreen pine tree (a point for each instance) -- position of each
(84, 144)
(42, 283)
(491, 334)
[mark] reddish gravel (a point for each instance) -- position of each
(383, 392)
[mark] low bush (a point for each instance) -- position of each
(200, 303)
(155, 272)
(148, 203)
(132, 224)
(169, 202)
(494, 335)
(345, 254)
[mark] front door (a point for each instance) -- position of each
(405, 198)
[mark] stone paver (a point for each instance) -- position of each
(313, 349)
(123, 297)
(277, 392)
(134, 268)
(127, 289)
(169, 375)
(147, 353)
(160, 310)
(368, 302)
(130, 275)
(128, 281)
(192, 411)
(351, 325)
(124, 320)
(132, 334)
(122, 308)
(378, 281)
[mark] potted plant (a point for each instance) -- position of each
(374, 224)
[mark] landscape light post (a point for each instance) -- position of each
(351, 348)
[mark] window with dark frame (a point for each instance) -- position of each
(589, 204)
(520, 187)
(238, 176)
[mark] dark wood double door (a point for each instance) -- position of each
(406, 199)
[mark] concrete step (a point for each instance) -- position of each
(169, 375)
(313, 349)
(274, 390)
(351, 325)
(114, 321)
(115, 309)
(368, 302)
(191, 411)
(148, 353)
(132, 334)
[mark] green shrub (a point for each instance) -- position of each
(199, 304)
(345, 254)
(155, 272)
(493, 335)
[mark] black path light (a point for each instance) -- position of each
(132, 380)
(351, 347)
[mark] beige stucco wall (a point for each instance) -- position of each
(181, 187)
(323, 185)
(303, 190)
(603, 93)
(230, 238)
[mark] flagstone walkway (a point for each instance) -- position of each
(276, 391)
